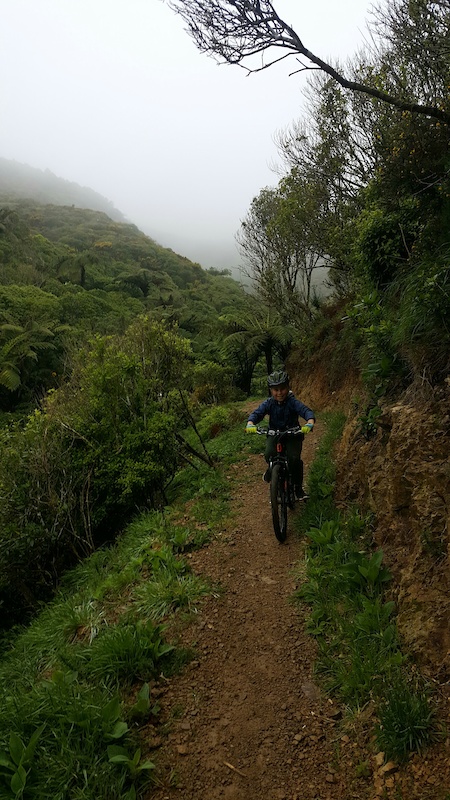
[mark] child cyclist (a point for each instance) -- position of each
(284, 411)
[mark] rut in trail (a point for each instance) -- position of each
(251, 723)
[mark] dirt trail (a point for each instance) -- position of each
(252, 724)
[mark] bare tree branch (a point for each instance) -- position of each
(236, 30)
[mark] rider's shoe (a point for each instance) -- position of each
(300, 493)
(267, 475)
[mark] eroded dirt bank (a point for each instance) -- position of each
(402, 475)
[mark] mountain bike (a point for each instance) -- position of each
(281, 488)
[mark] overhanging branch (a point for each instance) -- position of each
(235, 30)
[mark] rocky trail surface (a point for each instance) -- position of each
(245, 720)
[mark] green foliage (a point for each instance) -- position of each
(367, 188)
(358, 643)
(167, 593)
(368, 421)
(216, 420)
(212, 383)
(406, 720)
(248, 337)
(105, 444)
(366, 574)
(90, 274)
(80, 678)
(78, 682)
(16, 763)
(383, 241)
(123, 653)
(119, 755)
(75, 723)
(383, 368)
(421, 329)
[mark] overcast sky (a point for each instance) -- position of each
(113, 94)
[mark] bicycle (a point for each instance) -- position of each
(281, 488)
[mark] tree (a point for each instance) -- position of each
(330, 157)
(73, 266)
(416, 42)
(250, 336)
(255, 244)
(20, 347)
(282, 243)
(236, 30)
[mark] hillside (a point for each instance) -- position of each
(76, 272)
(22, 182)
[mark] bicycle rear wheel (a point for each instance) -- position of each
(279, 501)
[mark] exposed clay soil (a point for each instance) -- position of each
(246, 720)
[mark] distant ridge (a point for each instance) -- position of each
(22, 182)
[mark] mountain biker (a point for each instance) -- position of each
(284, 411)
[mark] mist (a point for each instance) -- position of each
(116, 97)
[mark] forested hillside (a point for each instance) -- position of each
(125, 372)
(68, 273)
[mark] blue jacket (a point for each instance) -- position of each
(282, 415)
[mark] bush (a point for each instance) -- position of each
(421, 329)
(104, 445)
(212, 383)
(216, 420)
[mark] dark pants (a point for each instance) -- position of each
(293, 450)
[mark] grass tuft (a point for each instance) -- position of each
(406, 719)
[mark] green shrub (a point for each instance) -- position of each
(104, 445)
(359, 655)
(123, 654)
(421, 329)
(212, 383)
(216, 420)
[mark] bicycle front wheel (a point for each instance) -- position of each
(279, 502)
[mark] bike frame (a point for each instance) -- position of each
(281, 490)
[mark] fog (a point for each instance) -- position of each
(114, 95)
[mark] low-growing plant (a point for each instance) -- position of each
(367, 422)
(143, 706)
(167, 593)
(124, 653)
(366, 574)
(324, 535)
(119, 755)
(218, 419)
(77, 722)
(405, 720)
(16, 764)
(71, 670)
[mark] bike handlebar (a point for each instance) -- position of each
(289, 431)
